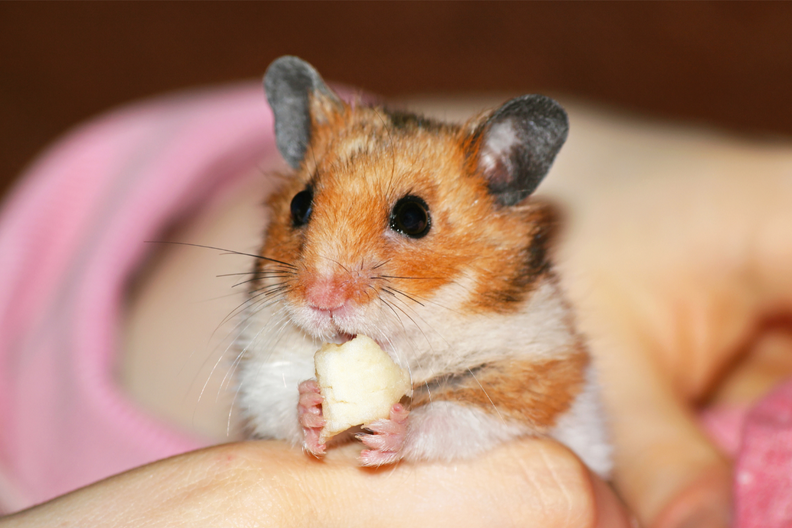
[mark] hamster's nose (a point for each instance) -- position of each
(328, 293)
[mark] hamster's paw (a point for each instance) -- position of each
(386, 439)
(309, 411)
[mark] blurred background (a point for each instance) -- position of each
(727, 64)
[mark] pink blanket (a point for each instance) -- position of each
(73, 232)
(70, 236)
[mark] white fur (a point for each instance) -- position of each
(268, 378)
(447, 431)
(583, 428)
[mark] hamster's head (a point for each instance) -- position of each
(392, 221)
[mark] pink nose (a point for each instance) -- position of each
(327, 293)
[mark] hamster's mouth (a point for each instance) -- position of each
(340, 338)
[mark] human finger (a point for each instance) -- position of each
(665, 467)
(529, 483)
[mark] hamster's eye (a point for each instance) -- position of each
(410, 216)
(301, 206)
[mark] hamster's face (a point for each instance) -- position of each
(386, 224)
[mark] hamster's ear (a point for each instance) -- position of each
(517, 145)
(296, 92)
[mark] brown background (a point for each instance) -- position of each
(727, 63)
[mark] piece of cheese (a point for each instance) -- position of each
(359, 384)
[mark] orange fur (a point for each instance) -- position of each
(534, 392)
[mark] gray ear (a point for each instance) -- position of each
(289, 83)
(518, 144)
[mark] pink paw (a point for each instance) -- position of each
(309, 411)
(386, 439)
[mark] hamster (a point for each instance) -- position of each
(424, 236)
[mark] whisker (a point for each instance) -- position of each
(217, 298)
(435, 303)
(231, 373)
(406, 278)
(237, 274)
(394, 290)
(272, 276)
(262, 273)
(226, 251)
(413, 321)
(381, 264)
(333, 260)
(386, 303)
(233, 334)
(424, 299)
(219, 361)
(410, 308)
(255, 294)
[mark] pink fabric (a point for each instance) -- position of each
(70, 236)
(763, 472)
(760, 441)
(74, 231)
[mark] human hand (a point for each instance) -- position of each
(672, 271)
(534, 482)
